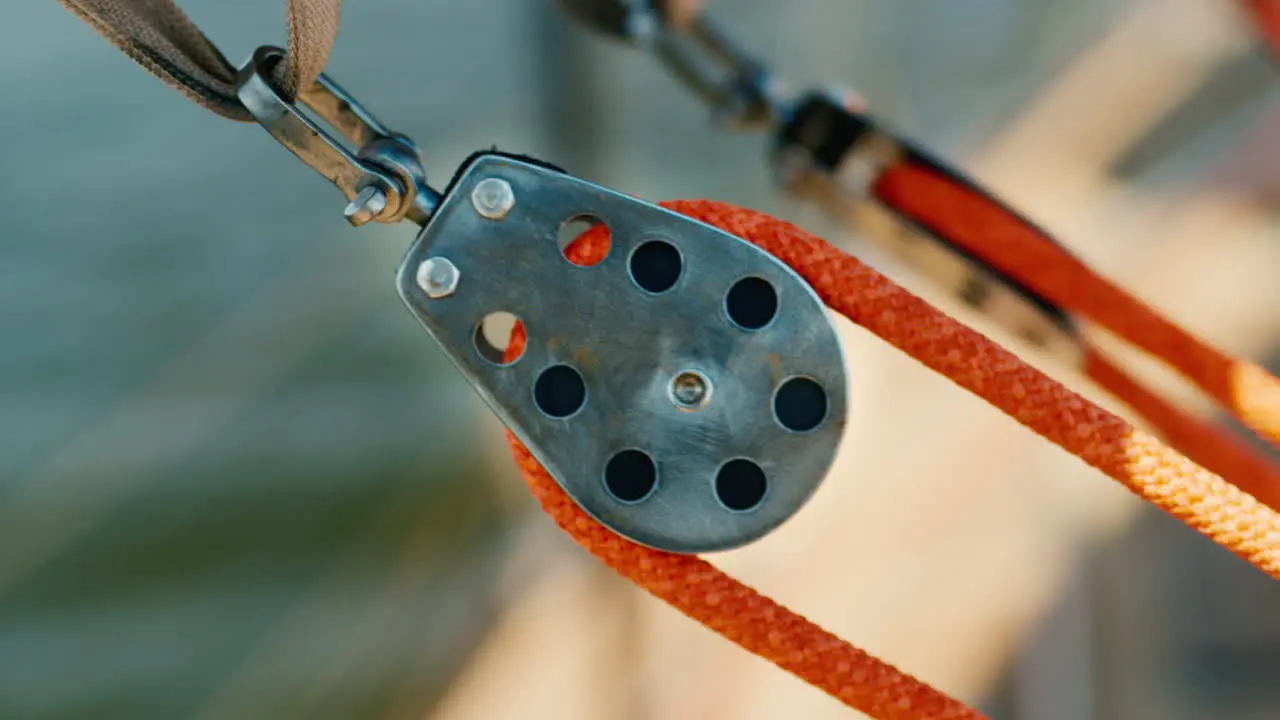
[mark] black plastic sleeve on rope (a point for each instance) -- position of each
(828, 132)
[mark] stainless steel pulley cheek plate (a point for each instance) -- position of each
(688, 390)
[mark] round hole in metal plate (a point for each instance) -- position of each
(800, 404)
(741, 485)
(655, 266)
(493, 337)
(559, 391)
(752, 303)
(584, 239)
(630, 476)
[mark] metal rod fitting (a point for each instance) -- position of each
(383, 179)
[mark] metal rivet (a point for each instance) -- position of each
(690, 390)
(493, 198)
(438, 277)
(366, 205)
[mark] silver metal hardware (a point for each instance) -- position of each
(691, 390)
(1006, 305)
(383, 179)
(366, 205)
(829, 153)
(688, 390)
(438, 277)
(741, 91)
(493, 198)
(825, 151)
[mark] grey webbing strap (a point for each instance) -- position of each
(160, 37)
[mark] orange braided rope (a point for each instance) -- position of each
(972, 221)
(1156, 473)
(721, 603)
(1266, 16)
(1212, 446)
(698, 589)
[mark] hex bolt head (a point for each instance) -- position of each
(366, 205)
(438, 277)
(493, 198)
